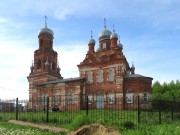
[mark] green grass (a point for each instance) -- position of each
(172, 128)
(13, 129)
(119, 119)
(80, 121)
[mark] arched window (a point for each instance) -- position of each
(146, 96)
(53, 66)
(129, 97)
(39, 64)
(89, 78)
(41, 42)
(56, 98)
(104, 45)
(44, 99)
(90, 99)
(100, 76)
(70, 98)
(50, 44)
(110, 75)
(111, 98)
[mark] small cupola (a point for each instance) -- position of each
(46, 30)
(105, 33)
(91, 44)
(114, 38)
(119, 44)
(92, 41)
(114, 35)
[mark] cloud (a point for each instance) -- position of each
(69, 56)
(15, 62)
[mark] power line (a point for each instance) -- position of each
(12, 90)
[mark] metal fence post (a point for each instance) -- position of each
(16, 108)
(159, 106)
(47, 110)
(87, 107)
(172, 110)
(138, 111)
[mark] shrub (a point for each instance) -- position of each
(129, 125)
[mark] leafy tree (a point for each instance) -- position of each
(167, 91)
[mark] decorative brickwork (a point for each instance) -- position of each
(105, 75)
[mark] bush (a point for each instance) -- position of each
(129, 125)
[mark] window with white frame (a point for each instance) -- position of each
(70, 98)
(100, 76)
(146, 97)
(129, 97)
(104, 45)
(56, 98)
(90, 99)
(110, 75)
(89, 77)
(44, 99)
(111, 98)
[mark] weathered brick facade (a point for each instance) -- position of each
(105, 75)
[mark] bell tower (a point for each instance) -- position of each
(45, 67)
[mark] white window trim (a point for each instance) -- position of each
(129, 98)
(110, 77)
(110, 98)
(70, 98)
(104, 46)
(56, 99)
(44, 99)
(90, 99)
(100, 76)
(89, 77)
(146, 98)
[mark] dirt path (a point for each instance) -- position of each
(51, 128)
(93, 129)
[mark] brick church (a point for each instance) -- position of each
(105, 75)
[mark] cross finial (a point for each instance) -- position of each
(91, 34)
(45, 17)
(113, 28)
(105, 23)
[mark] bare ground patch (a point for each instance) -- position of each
(95, 129)
(92, 129)
(41, 126)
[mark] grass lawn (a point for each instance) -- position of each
(118, 119)
(13, 129)
(162, 129)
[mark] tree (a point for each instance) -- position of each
(166, 91)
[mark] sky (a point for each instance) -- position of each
(149, 31)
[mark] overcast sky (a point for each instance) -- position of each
(149, 32)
